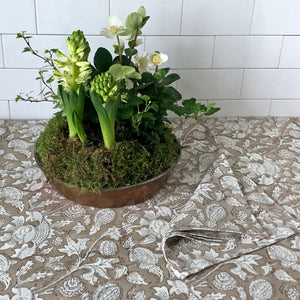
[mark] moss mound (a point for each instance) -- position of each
(92, 167)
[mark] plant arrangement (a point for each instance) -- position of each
(112, 128)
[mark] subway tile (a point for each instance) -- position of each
(18, 81)
(271, 84)
(276, 17)
(26, 110)
(247, 52)
(63, 17)
(185, 51)
(285, 108)
(100, 41)
(14, 58)
(1, 54)
(290, 57)
(210, 84)
(213, 17)
(165, 16)
(17, 15)
(4, 110)
(13, 47)
(242, 108)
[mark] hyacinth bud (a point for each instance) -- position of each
(105, 86)
(76, 70)
(78, 46)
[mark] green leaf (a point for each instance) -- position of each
(126, 112)
(26, 49)
(170, 79)
(102, 60)
(19, 35)
(172, 93)
(147, 77)
(125, 60)
(144, 21)
(133, 100)
(148, 115)
(116, 49)
(211, 110)
(160, 75)
(130, 52)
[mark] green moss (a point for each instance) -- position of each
(92, 167)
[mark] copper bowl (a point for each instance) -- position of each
(123, 196)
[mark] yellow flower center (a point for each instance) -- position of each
(113, 29)
(156, 59)
(143, 62)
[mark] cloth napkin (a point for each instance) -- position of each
(225, 218)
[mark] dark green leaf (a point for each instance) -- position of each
(147, 77)
(125, 60)
(172, 93)
(133, 100)
(126, 113)
(144, 21)
(130, 52)
(102, 60)
(170, 79)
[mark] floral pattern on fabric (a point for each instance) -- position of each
(52, 248)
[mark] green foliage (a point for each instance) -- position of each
(102, 60)
(106, 100)
(73, 104)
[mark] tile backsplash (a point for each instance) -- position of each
(242, 54)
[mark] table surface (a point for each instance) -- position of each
(52, 248)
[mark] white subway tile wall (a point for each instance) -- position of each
(243, 55)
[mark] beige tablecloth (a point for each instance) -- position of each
(226, 226)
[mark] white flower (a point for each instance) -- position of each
(143, 62)
(157, 58)
(114, 25)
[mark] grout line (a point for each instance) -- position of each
(242, 83)
(2, 47)
(280, 52)
(9, 109)
(251, 25)
(191, 69)
(213, 53)
(270, 108)
(35, 13)
(181, 18)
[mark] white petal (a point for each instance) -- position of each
(139, 42)
(114, 20)
(164, 57)
(107, 33)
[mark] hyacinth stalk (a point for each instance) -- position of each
(106, 100)
(73, 74)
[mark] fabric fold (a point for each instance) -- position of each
(224, 219)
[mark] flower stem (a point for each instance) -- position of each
(120, 52)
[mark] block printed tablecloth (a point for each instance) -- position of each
(226, 226)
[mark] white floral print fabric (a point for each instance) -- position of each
(249, 173)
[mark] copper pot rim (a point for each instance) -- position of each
(122, 188)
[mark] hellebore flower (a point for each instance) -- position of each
(157, 58)
(143, 62)
(114, 27)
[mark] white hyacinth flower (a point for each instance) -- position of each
(157, 58)
(114, 25)
(143, 62)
